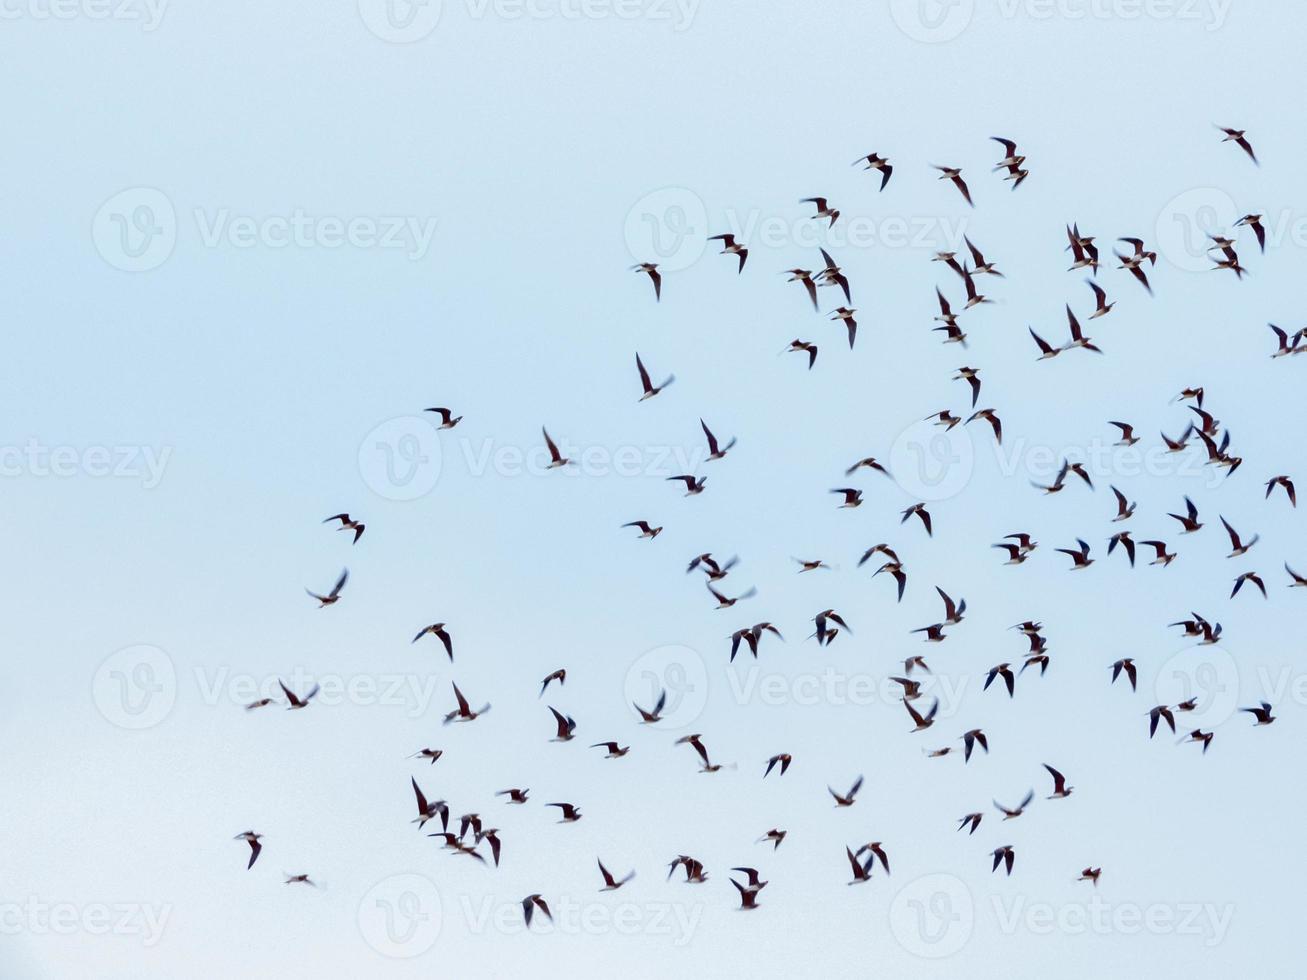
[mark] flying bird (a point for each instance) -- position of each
(646, 385)
(347, 523)
(439, 632)
(332, 597)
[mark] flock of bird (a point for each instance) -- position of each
(466, 834)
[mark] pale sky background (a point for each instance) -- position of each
(271, 384)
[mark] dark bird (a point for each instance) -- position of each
(1262, 714)
(852, 496)
(533, 902)
(1004, 671)
(570, 813)
(1189, 522)
(1003, 855)
(251, 838)
(693, 485)
(1128, 665)
(1254, 221)
(656, 277)
(1238, 546)
(1252, 577)
(1060, 789)
(875, 161)
(1162, 712)
(1237, 136)
(559, 675)
(784, 759)
(517, 796)
(1282, 481)
(438, 631)
(846, 315)
(332, 597)
(832, 275)
(1103, 307)
(645, 530)
(847, 799)
(824, 210)
(921, 512)
(429, 809)
(803, 346)
(649, 717)
(1079, 559)
(297, 702)
(447, 418)
(731, 247)
(611, 884)
(970, 740)
(646, 385)
(566, 726)
(804, 276)
(715, 450)
(464, 713)
(556, 459)
(1125, 541)
(995, 422)
(614, 751)
(955, 174)
(347, 523)
(1011, 813)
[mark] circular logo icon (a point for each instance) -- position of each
(135, 687)
(400, 916)
(932, 21)
(1185, 225)
(400, 21)
(933, 916)
(136, 229)
(930, 463)
(400, 459)
(675, 672)
(668, 227)
(1206, 673)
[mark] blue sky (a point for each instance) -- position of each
(245, 247)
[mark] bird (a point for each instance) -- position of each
(715, 450)
(1011, 813)
(1286, 346)
(1261, 713)
(922, 513)
(846, 314)
(1126, 665)
(447, 418)
(1238, 136)
(1282, 481)
(695, 741)
(861, 872)
(1102, 307)
(649, 717)
(1046, 350)
(440, 633)
(1254, 221)
(694, 871)
(955, 174)
(566, 726)
(823, 634)
(751, 635)
(1079, 559)
(824, 210)
(848, 798)
(556, 459)
(614, 751)
(979, 265)
(1090, 874)
(1237, 544)
(995, 422)
(645, 530)
(533, 902)
(972, 377)
(432, 754)
(804, 276)
(332, 597)
(878, 549)
(1252, 577)
(773, 836)
(300, 879)
(1083, 251)
(1004, 855)
(656, 277)
(945, 419)
(921, 721)
(1189, 522)
(1012, 158)
(783, 759)
(974, 296)
(517, 796)
(429, 809)
(1134, 263)
(1164, 556)
(876, 850)
(1198, 735)
(253, 839)
(1015, 555)
(1124, 508)
(610, 883)
(1299, 581)
(464, 713)
(1004, 671)
(832, 275)
(347, 523)
(803, 346)
(570, 813)
(1078, 338)
(852, 496)
(970, 740)
(1123, 538)
(693, 485)
(559, 675)
(723, 602)
(895, 569)
(1162, 712)
(647, 387)
(1060, 789)
(731, 247)
(296, 702)
(490, 834)
(875, 161)
(973, 819)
